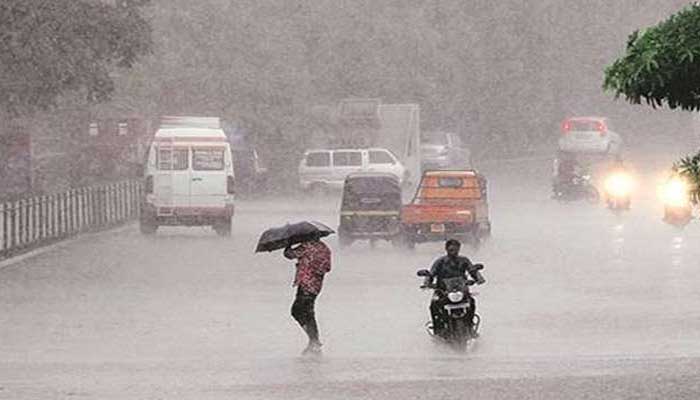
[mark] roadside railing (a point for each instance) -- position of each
(35, 221)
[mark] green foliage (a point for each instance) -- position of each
(689, 168)
(661, 64)
(50, 48)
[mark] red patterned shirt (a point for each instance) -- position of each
(313, 261)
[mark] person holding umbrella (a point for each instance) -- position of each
(313, 262)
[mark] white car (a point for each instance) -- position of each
(589, 135)
(327, 169)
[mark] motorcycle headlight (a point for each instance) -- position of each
(675, 193)
(455, 297)
(618, 185)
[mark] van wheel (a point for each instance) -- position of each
(148, 227)
(223, 227)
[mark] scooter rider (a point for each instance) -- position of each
(451, 265)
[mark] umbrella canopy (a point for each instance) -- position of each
(290, 234)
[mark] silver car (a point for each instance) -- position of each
(443, 150)
(589, 135)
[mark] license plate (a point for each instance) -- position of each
(437, 228)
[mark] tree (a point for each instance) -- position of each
(689, 168)
(52, 47)
(661, 64)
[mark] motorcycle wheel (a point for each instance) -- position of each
(459, 334)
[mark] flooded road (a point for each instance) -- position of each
(579, 303)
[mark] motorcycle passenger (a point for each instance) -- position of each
(451, 265)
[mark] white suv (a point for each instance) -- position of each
(327, 169)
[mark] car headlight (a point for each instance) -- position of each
(675, 193)
(455, 297)
(619, 185)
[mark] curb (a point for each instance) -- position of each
(9, 262)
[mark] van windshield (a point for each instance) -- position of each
(208, 159)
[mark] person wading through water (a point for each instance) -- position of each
(313, 262)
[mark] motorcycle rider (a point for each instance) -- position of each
(451, 265)
(566, 169)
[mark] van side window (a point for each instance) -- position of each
(347, 159)
(172, 159)
(380, 157)
(318, 159)
(208, 159)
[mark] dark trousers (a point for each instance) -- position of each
(303, 313)
(439, 315)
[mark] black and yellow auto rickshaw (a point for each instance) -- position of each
(370, 208)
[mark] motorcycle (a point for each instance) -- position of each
(457, 328)
(579, 188)
(678, 210)
(618, 189)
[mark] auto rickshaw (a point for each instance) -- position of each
(370, 208)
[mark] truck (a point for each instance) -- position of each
(447, 204)
(366, 123)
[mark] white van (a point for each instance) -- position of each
(188, 176)
(327, 169)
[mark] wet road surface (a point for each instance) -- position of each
(579, 304)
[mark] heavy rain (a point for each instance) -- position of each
(233, 199)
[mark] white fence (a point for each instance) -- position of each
(35, 221)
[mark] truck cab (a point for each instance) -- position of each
(447, 204)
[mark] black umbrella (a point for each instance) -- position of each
(290, 234)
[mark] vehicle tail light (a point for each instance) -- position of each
(565, 127)
(601, 128)
(148, 187)
(230, 185)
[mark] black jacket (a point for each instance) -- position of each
(446, 267)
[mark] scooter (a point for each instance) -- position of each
(678, 210)
(458, 329)
(618, 190)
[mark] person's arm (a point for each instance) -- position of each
(292, 253)
(475, 273)
(434, 271)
